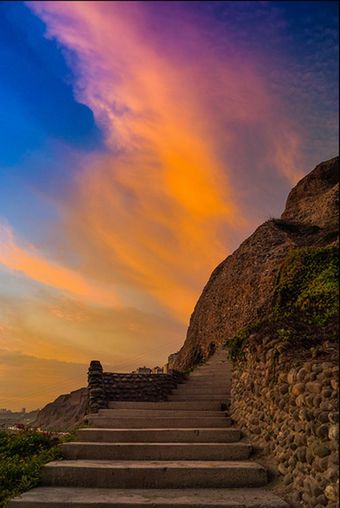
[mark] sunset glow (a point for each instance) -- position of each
(188, 138)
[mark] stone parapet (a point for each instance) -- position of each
(104, 387)
(96, 389)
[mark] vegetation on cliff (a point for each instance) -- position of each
(239, 292)
(305, 306)
(22, 454)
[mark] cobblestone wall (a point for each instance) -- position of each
(104, 387)
(287, 402)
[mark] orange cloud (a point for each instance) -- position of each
(193, 139)
(151, 217)
(35, 266)
(154, 208)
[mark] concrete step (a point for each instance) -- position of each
(177, 405)
(205, 379)
(219, 364)
(202, 386)
(213, 377)
(198, 397)
(156, 413)
(215, 365)
(156, 451)
(63, 497)
(190, 390)
(153, 474)
(205, 382)
(156, 423)
(212, 371)
(220, 387)
(164, 435)
(219, 378)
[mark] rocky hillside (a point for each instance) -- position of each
(240, 290)
(65, 413)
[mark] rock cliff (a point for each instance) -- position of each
(65, 413)
(240, 289)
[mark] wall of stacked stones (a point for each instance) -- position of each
(143, 387)
(287, 402)
(104, 387)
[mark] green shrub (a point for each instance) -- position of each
(22, 454)
(308, 283)
(306, 301)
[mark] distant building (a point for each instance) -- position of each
(142, 370)
(157, 370)
(23, 410)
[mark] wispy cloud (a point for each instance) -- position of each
(34, 265)
(160, 206)
(199, 147)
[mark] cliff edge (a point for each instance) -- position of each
(240, 290)
(65, 413)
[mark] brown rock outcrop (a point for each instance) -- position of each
(65, 413)
(240, 289)
(315, 199)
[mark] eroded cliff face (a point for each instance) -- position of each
(240, 289)
(65, 413)
(315, 199)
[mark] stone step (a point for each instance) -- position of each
(215, 376)
(205, 384)
(218, 387)
(164, 435)
(195, 396)
(155, 423)
(156, 451)
(199, 384)
(212, 365)
(216, 361)
(205, 380)
(177, 405)
(218, 364)
(209, 379)
(153, 474)
(156, 413)
(212, 370)
(192, 390)
(63, 497)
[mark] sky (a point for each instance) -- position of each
(141, 142)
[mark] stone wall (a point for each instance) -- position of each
(104, 387)
(286, 400)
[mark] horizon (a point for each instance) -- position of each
(143, 142)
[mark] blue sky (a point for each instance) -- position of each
(217, 109)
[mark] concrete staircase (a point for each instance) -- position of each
(180, 453)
